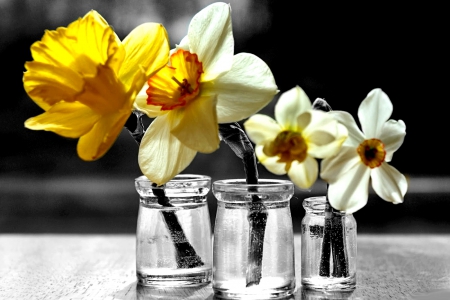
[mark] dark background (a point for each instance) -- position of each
(339, 53)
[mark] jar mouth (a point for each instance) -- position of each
(179, 181)
(263, 185)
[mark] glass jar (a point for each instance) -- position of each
(328, 247)
(173, 237)
(253, 250)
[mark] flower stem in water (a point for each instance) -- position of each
(186, 257)
(233, 135)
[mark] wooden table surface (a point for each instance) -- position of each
(103, 267)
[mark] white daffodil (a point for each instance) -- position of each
(299, 134)
(204, 84)
(365, 155)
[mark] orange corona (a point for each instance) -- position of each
(372, 153)
(288, 146)
(176, 84)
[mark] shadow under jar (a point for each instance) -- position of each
(173, 237)
(253, 250)
(328, 247)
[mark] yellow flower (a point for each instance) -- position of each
(86, 79)
(203, 85)
(299, 134)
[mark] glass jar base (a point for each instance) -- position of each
(320, 283)
(265, 294)
(262, 291)
(174, 278)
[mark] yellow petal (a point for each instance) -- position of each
(197, 127)
(147, 45)
(48, 84)
(97, 142)
(104, 93)
(161, 155)
(70, 120)
(83, 45)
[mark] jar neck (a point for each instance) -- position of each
(317, 205)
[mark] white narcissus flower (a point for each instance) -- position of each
(203, 85)
(299, 134)
(365, 156)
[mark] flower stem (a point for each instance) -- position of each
(334, 229)
(333, 244)
(185, 256)
(233, 135)
(338, 244)
(324, 269)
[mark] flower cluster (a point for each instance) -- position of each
(88, 83)
(351, 158)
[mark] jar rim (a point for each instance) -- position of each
(178, 180)
(262, 185)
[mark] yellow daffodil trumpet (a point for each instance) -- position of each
(86, 79)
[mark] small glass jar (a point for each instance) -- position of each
(173, 237)
(328, 247)
(253, 250)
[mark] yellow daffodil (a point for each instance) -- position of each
(365, 155)
(204, 84)
(299, 134)
(86, 79)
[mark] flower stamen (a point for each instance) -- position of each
(288, 146)
(185, 86)
(372, 153)
(167, 91)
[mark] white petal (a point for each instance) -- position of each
(373, 112)
(197, 126)
(355, 136)
(211, 38)
(241, 93)
(350, 191)
(392, 135)
(291, 105)
(270, 162)
(304, 174)
(161, 155)
(328, 148)
(324, 135)
(389, 184)
(184, 44)
(334, 167)
(261, 128)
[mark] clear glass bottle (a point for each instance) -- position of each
(173, 237)
(328, 247)
(253, 252)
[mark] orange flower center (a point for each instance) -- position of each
(288, 146)
(176, 84)
(372, 153)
